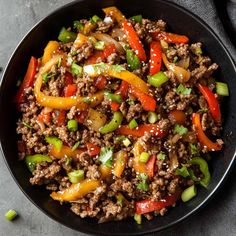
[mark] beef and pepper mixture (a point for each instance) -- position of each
(117, 115)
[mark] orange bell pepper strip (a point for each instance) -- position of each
(70, 90)
(213, 103)
(147, 206)
(116, 13)
(93, 149)
(177, 116)
(181, 74)
(105, 171)
(153, 129)
(28, 80)
(105, 69)
(64, 103)
(147, 101)
(61, 117)
(76, 191)
(49, 50)
(155, 57)
(203, 139)
(134, 41)
(121, 159)
(170, 37)
(65, 152)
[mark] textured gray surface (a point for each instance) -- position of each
(217, 218)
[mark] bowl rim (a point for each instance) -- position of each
(164, 227)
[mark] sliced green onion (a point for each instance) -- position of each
(193, 149)
(66, 36)
(86, 100)
(138, 218)
(137, 18)
(179, 129)
(113, 97)
(132, 60)
(126, 142)
(143, 186)
(68, 161)
(161, 156)
(106, 156)
(152, 117)
(133, 124)
(78, 25)
(56, 142)
(175, 59)
(76, 145)
(47, 76)
(99, 45)
(76, 69)
(11, 215)
(222, 89)
(72, 125)
(183, 171)
(144, 157)
(189, 193)
(95, 19)
(120, 138)
(76, 176)
(158, 79)
(59, 62)
(183, 90)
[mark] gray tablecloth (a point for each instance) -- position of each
(16, 18)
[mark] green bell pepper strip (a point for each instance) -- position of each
(113, 124)
(137, 18)
(132, 60)
(189, 193)
(66, 36)
(203, 168)
(158, 79)
(113, 97)
(56, 142)
(32, 160)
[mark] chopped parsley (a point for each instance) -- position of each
(106, 156)
(179, 129)
(142, 185)
(183, 90)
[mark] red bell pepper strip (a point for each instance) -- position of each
(93, 149)
(212, 102)
(203, 139)
(28, 80)
(147, 101)
(101, 55)
(153, 129)
(68, 78)
(134, 41)
(61, 117)
(171, 38)
(155, 57)
(100, 82)
(146, 206)
(150, 166)
(123, 91)
(70, 90)
(44, 117)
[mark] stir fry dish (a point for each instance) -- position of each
(118, 117)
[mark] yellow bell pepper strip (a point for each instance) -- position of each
(105, 171)
(49, 50)
(181, 74)
(65, 151)
(79, 41)
(116, 13)
(203, 139)
(64, 103)
(116, 71)
(76, 191)
(121, 159)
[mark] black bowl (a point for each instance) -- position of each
(180, 21)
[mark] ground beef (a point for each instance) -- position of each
(134, 112)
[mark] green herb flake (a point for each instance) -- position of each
(47, 76)
(142, 185)
(68, 161)
(179, 129)
(76, 69)
(78, 25)
(183, 90)
(76, 145)
(27, 125)
(193, 149)
(106, 156)
(161, 156)
(175, 59)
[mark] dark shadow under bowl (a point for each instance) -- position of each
(180, 21)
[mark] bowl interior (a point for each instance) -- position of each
(179, 21)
